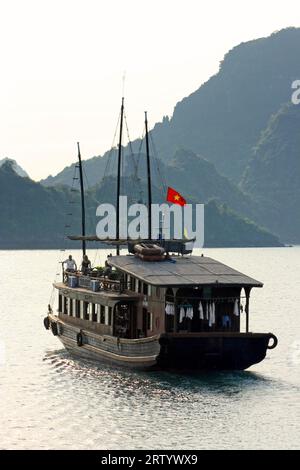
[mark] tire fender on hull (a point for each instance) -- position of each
(46, 323)
(275, 341)
(79, 339)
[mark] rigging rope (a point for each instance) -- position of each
(112, 148)
(159, 171)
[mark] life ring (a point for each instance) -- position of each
(47, 323)
(275, 341)
(54, 328)
(79, 339)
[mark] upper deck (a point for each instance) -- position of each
(94, 289)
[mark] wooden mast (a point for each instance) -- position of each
(119, 176)
(148, 180)
(82, 201)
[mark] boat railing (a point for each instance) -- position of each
(93, 282)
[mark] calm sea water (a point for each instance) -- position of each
(51, 401)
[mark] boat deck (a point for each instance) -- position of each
(102, 293)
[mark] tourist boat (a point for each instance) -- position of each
(157, 307)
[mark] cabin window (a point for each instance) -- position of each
(145, 288)
(133, 280)
(81, 309)
(60, 303)
(86, 311)
(106, 315)
(66, 305)
(149, 321)
(98, 307)
(90, 312)
(77, 308)
(139, 289)
(102, 314)
(94, 314)
(157, 292)
(110, 315)
(71, 307)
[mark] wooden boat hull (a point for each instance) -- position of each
(138, 354)
(192, 351)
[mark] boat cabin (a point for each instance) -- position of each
(178, 295)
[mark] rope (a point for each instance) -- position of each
(160, 173)
(129, 142)
(67, 228)
(111, 148)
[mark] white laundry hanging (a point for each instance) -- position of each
(213, 307)
(201, 313)
(209, 315)
(190, 313)
(187, 312)
(181, 314)
(236, 310)
(169, 309)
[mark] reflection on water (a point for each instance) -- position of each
(52, 400)
(139, 382)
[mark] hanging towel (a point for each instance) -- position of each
(210, 313)
(181, 314)
(213, 313)
(169, 309)
(201, 313)
(207, 311)
(236, 310)
(190, 313)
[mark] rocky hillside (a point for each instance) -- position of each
(273, 174)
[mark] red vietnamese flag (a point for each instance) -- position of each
(175, 197)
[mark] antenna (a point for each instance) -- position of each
(123, 83)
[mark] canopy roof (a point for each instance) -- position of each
(182, 271)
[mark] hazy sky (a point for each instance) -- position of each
(62, 64)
